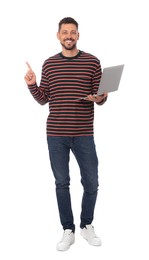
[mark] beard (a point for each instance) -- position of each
(69, 47)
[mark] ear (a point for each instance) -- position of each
(78, 35)
(58, 35)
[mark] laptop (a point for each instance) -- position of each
(110, 79)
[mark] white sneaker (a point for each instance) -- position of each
(89, 234)
(67, 240)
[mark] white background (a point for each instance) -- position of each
(116, 32)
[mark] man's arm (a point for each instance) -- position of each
(37, 92)
(99, 100)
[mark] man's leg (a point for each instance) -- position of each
(59, 151)
(85, 153)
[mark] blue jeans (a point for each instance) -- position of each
(83, 148)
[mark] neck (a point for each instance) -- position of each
(70, 53)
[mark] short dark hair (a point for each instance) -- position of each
(67, 20)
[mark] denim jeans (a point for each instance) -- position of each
(83, 148)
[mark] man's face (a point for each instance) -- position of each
(68, 36)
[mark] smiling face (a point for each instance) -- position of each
(68, 36)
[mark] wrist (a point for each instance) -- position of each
(102, 101)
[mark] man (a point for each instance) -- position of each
(69, 83)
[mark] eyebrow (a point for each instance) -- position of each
(65, 30)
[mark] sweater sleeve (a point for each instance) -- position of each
(41, 93)
(96, 82)
(96, 78)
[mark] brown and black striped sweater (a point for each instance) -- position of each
(63, 81)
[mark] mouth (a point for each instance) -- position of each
(69, 41)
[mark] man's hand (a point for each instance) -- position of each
(30, 77)
(96, 98)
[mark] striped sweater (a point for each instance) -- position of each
(63, 81)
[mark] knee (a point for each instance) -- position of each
(91, 188)
(62, 184)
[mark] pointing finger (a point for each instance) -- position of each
(28, 65)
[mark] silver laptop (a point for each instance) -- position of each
(110, 79)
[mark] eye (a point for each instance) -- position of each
(64, 32)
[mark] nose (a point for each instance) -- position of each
(69, 35)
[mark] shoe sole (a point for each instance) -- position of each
(61, 250)
(90, 242)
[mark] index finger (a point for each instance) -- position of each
(105, 94)
(28, 65)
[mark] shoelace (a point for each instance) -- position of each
(66, 237)
(92, 232)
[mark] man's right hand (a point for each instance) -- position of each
(30, 77)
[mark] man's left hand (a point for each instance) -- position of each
(96, 98)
